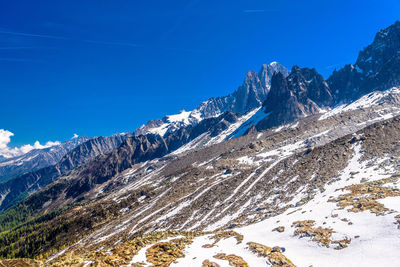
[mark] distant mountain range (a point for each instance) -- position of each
(80, 152)
(36, 159)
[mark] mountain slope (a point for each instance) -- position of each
(244, 180)
(92, 179)
(18, 188)
(279, 174)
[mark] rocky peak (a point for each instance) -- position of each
(300, 94)
(312, 84)
(250, 95)
(344, 83)
(302, 83)
(251, 83)
(385, 45)
(267, 71)
(254, 90)
(376, 68)
(279, 91)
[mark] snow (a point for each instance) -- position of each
(378, 243)
(234, 130)
(295, 125)
(246, 160)
(18, 161)
(141, 256)
(278, 129)
(195, 254)
(182, 116)
(366, 101)
(191, 145)
(176, 121)
(284, 151)
(243, 124)
(392, 203)
(161, 130)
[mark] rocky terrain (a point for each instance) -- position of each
(309, 176)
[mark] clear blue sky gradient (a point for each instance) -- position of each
(100, 67)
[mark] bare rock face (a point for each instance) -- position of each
(376, 68)
(300, 94)
(267, 71)
(344, 83)
(251, 94)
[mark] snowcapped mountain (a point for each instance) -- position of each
(170, 123)
(247, 97)
(305, 92)
(257, 199)
(289, 170)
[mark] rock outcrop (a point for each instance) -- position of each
(300, 94)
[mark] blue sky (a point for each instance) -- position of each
(100, 67)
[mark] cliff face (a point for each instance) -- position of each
(300, 94)
(376, 68)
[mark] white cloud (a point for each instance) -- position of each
(75, 136)
(8, 152)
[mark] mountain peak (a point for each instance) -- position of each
(376, 67)
(267, 71)
(251, 76)
(300, 94)
(250, 95)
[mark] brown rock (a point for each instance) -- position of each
(208, 263)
